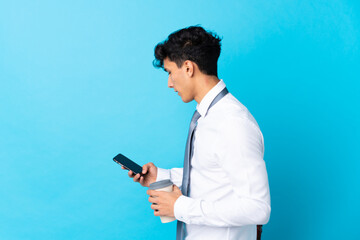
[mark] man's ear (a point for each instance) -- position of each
(189, 68)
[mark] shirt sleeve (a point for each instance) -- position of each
(240, 154)
(174, 174)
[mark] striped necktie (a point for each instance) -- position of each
(180, 233)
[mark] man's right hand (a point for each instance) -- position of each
(149, 174)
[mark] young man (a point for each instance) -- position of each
(224, 186)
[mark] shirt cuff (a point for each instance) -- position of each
(185, 209)
(162, 174)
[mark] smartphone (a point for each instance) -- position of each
(128, 164)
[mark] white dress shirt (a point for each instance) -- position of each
(229, 191)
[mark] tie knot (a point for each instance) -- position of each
(195, 117)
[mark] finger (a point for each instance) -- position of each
(146, 168)
(137, 177)
(155, 207)
(141, 180)
(176, 189)
(131, 174)
(152, 193)
(153, 200)
(156, 193)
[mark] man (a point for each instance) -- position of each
(225, 192)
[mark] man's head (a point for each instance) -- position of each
(187, 53)
(191, 43)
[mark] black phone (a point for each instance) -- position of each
(128, 164)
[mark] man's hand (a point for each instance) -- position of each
(163, 202)
(149, 174)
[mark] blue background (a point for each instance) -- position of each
(77, 86)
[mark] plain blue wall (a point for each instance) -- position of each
(77, 86)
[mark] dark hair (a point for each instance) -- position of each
(191, 43)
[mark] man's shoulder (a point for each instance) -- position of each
(230, 109)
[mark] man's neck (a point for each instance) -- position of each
(204, 84)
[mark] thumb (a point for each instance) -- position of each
(176, 189)
(145, 169)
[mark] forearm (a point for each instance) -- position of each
(174, 174)
(222, 213)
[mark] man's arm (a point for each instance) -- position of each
(174, 174)
(241, 157)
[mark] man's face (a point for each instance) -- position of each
(179, 80)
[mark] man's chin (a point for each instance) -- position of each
(186, 100)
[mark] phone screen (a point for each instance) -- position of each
(127, 163)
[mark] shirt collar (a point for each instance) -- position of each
(203, 106)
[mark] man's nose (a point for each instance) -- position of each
(170, 83)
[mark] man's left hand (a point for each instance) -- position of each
(163, 202)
